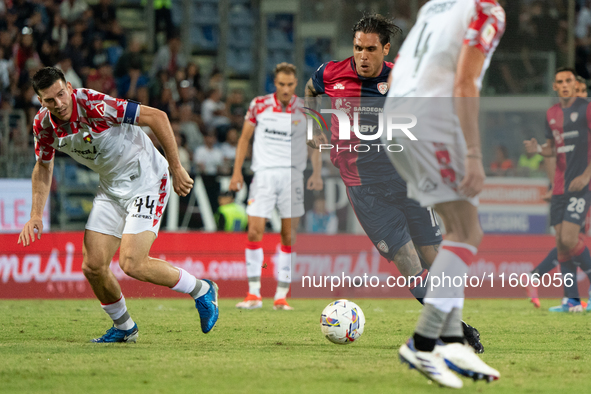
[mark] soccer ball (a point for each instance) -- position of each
(342, 322)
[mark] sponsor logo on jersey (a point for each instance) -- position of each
(557, 137)
(574, 116)
(383, 246)
(87, 137)
(62, 143)
(565, 149)
(570, 134)
(339, 86)
(383, 87)
(86, 152)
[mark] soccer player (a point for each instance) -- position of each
(571, 190)
(104, 134)
(397, 225)
(278, 180)
(445, 55)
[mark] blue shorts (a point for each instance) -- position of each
(570, 207)
(391, 219)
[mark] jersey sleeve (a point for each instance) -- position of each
(251, 114)
(318, 79)
(486, 27)
(43, 140)
(102, 108)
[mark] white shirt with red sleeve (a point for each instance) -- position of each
(279, 134)
(427, 61)
(103, 134)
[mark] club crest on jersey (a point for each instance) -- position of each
(100, 108)
(574, 116)
(552, 121)
(383, 246)
(383, 87)
(87, 137)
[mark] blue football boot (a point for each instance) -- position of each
(207, 305)
(116, 335)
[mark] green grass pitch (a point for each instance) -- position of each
(44, 349)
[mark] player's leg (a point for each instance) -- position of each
(254, 263)
(379, 211)
(290, 204)
(135, 261)
(567, 242)
(98, 251)
(284, 261)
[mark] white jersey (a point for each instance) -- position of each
(279, 134)
(102, 134)
(427, 61)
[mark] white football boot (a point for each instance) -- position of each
(462, 359)
(430, 364)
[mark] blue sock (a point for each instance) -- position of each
(570, 269)
(548, 264)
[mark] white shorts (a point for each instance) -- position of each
(142, 212)
(433, 171)
(282, 188)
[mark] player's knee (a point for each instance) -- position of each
(132, 266)
(569, 242)
(255, 235)
(93, 269)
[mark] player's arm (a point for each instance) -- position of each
(41, 180)
(241, 150)
(582, 181)
(158, 122)
(466, 90)
(315, 181)
(319, 137)
(546, 150)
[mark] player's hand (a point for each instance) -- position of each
(236, 182)
(181, 181)
(531, 146)
(315, 182)
(28, 234)
(319, 139)
(473, 181)
(579, 183)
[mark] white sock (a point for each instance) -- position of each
(186, 282)
(254, 286)
(117, 311)
(281, 292)
(204, 289)
(451, 261)
(254, 267)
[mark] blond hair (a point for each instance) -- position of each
(285, 67)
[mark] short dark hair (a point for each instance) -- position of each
(46, 77)
(376, 23)
(566, 69)
(581, 80)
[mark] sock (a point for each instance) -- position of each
(201, 288)
(548, 264)
(582, 258)
(568, 267)
(418, 285)
(283, 272)
(452, 331)
(429, 328)
(117, 311)
(451, 261)
(254, 286)
(282, 290)
(186, 283)
(254, 266)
